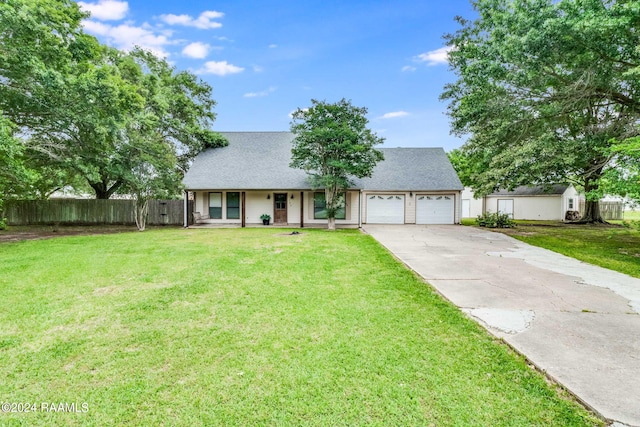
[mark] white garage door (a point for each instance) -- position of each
(435, 209)
(385, 209)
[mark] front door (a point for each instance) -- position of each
(280, 208)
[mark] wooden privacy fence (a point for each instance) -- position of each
(608, 210)
(91, 212)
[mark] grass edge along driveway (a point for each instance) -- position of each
(250, 327)
(611, 246)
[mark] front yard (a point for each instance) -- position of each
(249, 327)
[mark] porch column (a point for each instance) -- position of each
(302, 209)
(186, 202)
(360, 209)
(242, 209)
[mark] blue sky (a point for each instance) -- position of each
(264, 59)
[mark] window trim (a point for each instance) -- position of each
(215, 207)
(230, 206)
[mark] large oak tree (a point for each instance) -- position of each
(544, 90)
(84, 110)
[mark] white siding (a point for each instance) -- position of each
(475, 205)
(570, 193)
(351, 214)
(202, 206)
(410, 208)
(466, 208)
(544, 208)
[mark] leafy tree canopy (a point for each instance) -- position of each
(86, 110)
(333, 145)
(544, 88)
(463, 166)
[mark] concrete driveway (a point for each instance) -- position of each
(577, 322)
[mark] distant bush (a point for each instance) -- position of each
(495, 220)
(3, 221)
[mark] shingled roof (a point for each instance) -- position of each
(405, 169)
(536, 190)
(260, 161)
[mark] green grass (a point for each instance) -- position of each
(633, 215)
(610, 246)
(250, 327)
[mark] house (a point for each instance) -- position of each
(251, 176)
(524, 202)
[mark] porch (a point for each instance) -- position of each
(285, 208)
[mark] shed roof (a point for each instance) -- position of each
(260, 161)
(536, 190)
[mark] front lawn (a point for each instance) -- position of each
(609, 246)
(245, 327)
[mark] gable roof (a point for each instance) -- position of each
(536, 190)
(260, 161)
(406, 169)
(251, 161)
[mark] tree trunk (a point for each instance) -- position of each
(591, 213)
(329, 198)
(102, 189)
(331, 224)
(141, 211)
(101, 192)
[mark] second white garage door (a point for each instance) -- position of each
(385, 209)
(435, 209)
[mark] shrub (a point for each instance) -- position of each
(495, 220)
(3, 221)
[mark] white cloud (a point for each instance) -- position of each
(126, 36)
(221, 68)
(394, 114)
(204, 21)
(259, 94)
(196, 50)
(106, 10)
(273, 46)
(97, 28)
(258, 69)
(408, 68)
(434, 57)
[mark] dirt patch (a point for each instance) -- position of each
(294, 233)
(17, 234)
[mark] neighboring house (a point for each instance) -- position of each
(251, 176)
(536, 203)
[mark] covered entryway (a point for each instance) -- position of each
(385, 209)
(280, 208)
(435, 209)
